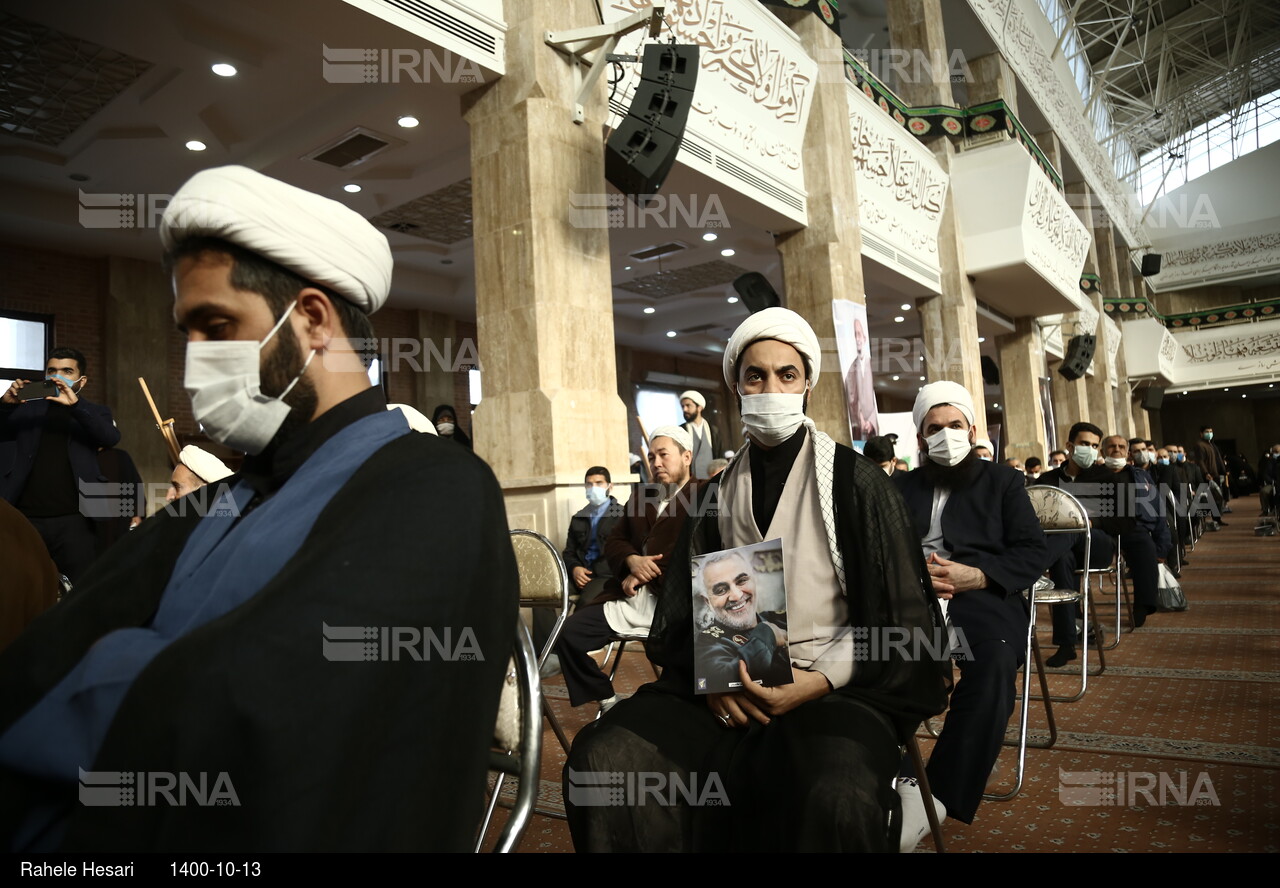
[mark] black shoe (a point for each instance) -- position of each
(1222, 523)
(1064, 655)
(1140, 614)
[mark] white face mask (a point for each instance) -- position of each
(1084, 456)
(445, 428)
(224, 382)
(1115, 463)
(597, 495)
(948, 447)
(773, 418)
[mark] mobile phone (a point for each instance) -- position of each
(33, 391)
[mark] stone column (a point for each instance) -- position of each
(1070, 396)
(992, 79)
(138, 321)
(1141, 420)
(1021, 363)
(949, 321)
(823, 261)
(1123, 394)
(438, 336)
(1102, 408)
(544, 308)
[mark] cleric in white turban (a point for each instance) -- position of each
(237, 634)
(849, 560)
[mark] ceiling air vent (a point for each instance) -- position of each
(351, 149)
(650, 253)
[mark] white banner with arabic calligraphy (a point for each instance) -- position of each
(901, 193)
(752, 100)
(1200, 358)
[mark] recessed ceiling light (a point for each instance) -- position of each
(1184, 393)
(895, 379)
(196, 145)
(1244, 396)
(352, 188)
(727, 251)
(649, 310)
(922, 379)
(996, 406)
(710, 236)
(899, 319)
(906, 306)
(626, 268)
(222, 69)
(1226, 389)
(671, 334)
(982, 339)
(408, 121)
(732, 300)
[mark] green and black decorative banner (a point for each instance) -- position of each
(827, 10)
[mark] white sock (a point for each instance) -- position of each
(915, 821)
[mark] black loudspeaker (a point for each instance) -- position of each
(1153, 397)
(1079, 356)
(990, 372)
(1151, 264)
(641, 151)
(756, 291)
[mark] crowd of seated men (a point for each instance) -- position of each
(981, 548)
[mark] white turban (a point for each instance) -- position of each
(782, 324)
(417, 421)
(316, 238)
(675, 433)
(203, 464)
(695, 397)
(944, 392)
(983, 442)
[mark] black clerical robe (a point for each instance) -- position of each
(323, 754)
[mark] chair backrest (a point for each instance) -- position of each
(518, 737)
(1057, 510)
(543, 577)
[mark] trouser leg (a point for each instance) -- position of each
(982, 701)
(1140, 553)
(587, 630)
(71, 542)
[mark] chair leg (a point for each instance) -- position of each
(617, 658)
(1048, 700)
(555, 724)
(917, 762)
(488, 814)
(1026, 703)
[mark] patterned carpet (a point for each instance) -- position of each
(1171, 749)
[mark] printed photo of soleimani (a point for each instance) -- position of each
(740, 615)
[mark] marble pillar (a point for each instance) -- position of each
(544, 308)
(949, 321)
(823, 261)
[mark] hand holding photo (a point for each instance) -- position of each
(739, 616)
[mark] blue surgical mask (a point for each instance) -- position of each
(1084, 456)
(1208, 436)
(1182, 457)
(71, 383)
(597, 495)
(1164, 461)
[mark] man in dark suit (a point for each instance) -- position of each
(983, 546)
(588, 529)
(1093, 485)
(55, 454)
(642, 537)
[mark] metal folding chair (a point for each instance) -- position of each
(544, 582)
(517, 742)
(1061, 513)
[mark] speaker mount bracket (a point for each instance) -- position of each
(580, 43)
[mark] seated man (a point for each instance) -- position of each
(196, 467)
(642, 537)
(216, 649)
(984, 449)
(1057, 458)
(1147, 544)
(984, 546)
(806, 765)
(588, 529)
(1093, 486)
(1034, 469)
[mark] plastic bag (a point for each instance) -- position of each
(1169, 595)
